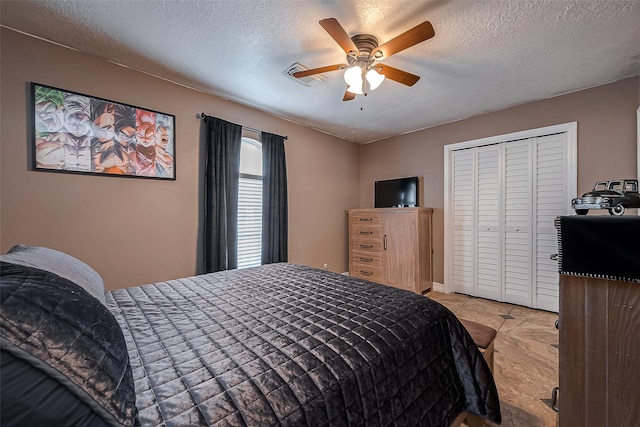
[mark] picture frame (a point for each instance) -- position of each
(78, 133)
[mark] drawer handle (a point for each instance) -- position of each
(366, 273)
(554, 399)
(366, 219)
(366, 233)
(363, 246)
(366, 259)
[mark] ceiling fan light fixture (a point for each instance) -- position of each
(353, 76)
(363, 72)
(355, 89)
(374, 79)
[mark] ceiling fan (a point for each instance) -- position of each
(363, 68)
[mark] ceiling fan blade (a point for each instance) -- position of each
(320, 70)
(348, 96)
(397, 75)
(416, 35)
(335, 30)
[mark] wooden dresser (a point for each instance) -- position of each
(392, 246)
(599, 321)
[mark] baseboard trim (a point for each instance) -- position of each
(435, 286)
(438, 287)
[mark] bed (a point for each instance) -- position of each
(280, 344)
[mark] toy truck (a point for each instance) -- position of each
(616, 196)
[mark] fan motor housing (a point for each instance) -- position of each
(365, 43)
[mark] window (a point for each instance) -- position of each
(250, 204)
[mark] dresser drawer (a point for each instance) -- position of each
(368, 273)
(366, 259)
(366, 219)
(366, 232)
(366, 244)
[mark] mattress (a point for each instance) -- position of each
(285, 344)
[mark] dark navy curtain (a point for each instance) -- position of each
(275, 222)
(222, 175)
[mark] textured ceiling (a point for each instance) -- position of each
(485, 56)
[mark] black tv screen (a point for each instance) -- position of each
(400, 192)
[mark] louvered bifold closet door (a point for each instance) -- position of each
(488, 263)
(518, 188)
(552, 199)
(463, 207)
(502, 200)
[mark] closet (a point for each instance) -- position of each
(502, 195)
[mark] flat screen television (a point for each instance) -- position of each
(400, 193)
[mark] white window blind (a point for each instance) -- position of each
(250, 204)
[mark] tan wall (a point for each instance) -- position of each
(106, 221)
(606, 117)
(136, 231)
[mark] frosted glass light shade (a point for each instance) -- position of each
(353, 76)
(355, 89)
(374, 78)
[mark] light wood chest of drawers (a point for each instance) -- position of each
(392, 246)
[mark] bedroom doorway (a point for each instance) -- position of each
(501, 197)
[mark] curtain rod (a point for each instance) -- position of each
(204, 116)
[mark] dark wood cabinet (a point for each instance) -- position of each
(599, 333)
(599, 352)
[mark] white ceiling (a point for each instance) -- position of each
(485, 56)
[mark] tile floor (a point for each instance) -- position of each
(526, 356)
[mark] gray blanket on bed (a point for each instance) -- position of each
(285, 344)
(63, 358)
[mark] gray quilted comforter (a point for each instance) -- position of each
(285, 344)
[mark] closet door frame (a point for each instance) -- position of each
(571, 183)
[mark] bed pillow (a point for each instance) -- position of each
(64, 356)
(58, 263)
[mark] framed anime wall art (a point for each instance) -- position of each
(77, 133)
